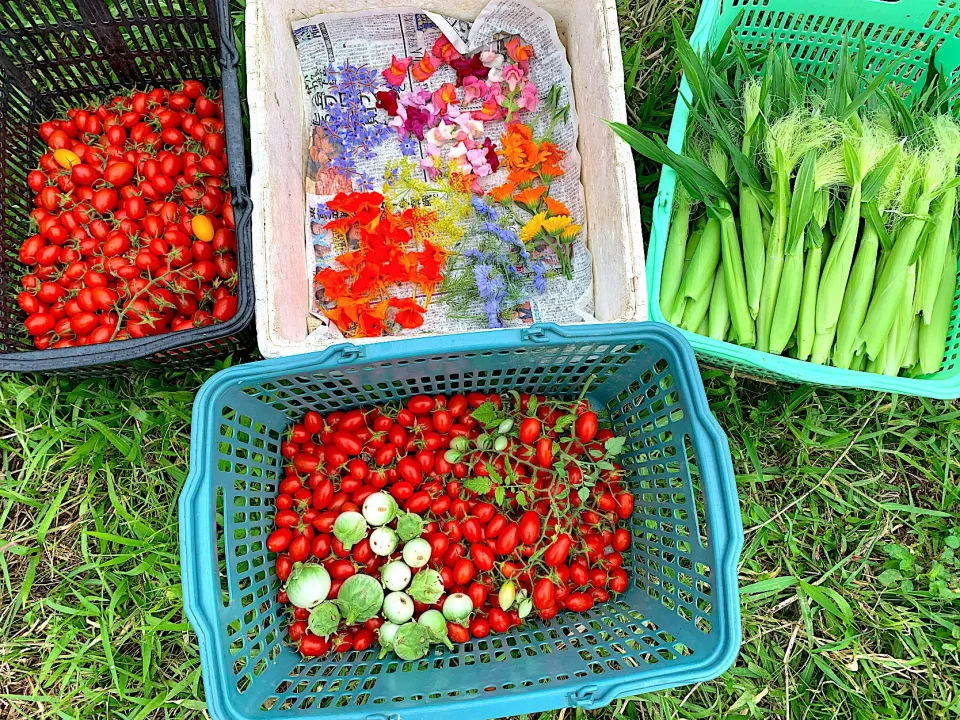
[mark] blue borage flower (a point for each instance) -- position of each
(499, 271)
(352, 124)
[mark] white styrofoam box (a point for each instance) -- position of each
(588, 29)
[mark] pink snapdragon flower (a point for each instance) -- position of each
(528, 98)
(513, 76)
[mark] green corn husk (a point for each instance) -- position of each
(891, 283)
(863, 151)
(698, 277)
(672, 268)
(788, 140)
(731, 259)
(859, 362)
(718, 316)
(702, 330)
(934, 252)
(859, 290)
(694, 240)
(696, 308)
(806, 323)
(904, 324)
(809, 211)
(932, 341)
(911, 355)
(947, 133)
(752, 232)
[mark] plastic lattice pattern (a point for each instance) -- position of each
(678, 622)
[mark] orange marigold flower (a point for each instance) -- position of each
(522, 177)
(502, 192)
(549, 170)
(530, 197)
(555, 207)
(519, 151)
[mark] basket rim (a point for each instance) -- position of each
(196, 525)
(143, 348)
(785, 369)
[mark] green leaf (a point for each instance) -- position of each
(487, 415)
(500, 495)
(693, 69)
(563, 422)
(769, 585)
(532, 405)
(522, 499)
(854, 106)
(830, 600)
(872, 215)
(409, 526)
(478, 485)
(614, 446)
(889, 576)
(494, 475)
(913, 510)
(583, 493)
(702, 183)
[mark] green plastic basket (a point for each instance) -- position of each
(814, 31)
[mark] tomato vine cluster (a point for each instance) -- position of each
(134, 228)
(446, 518)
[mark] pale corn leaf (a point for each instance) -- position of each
(852, 160)
(871, 214)
(871, 89)
(901, 112)
(802, 202)
(875, 179)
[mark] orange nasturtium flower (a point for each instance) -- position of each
(409, 313)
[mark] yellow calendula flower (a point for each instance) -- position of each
(556, 224)
(533, 227)
(570, 231)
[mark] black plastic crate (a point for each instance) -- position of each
(73, 51)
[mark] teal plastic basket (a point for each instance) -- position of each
(814, 31)
(678, 623)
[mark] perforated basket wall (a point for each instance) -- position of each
(76, 51)
(814, 32)
(678, 623)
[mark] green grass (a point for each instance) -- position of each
(850, 572)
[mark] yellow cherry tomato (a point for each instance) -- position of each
(202, 228)
(66, 158)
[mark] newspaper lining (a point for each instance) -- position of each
(370, 38)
